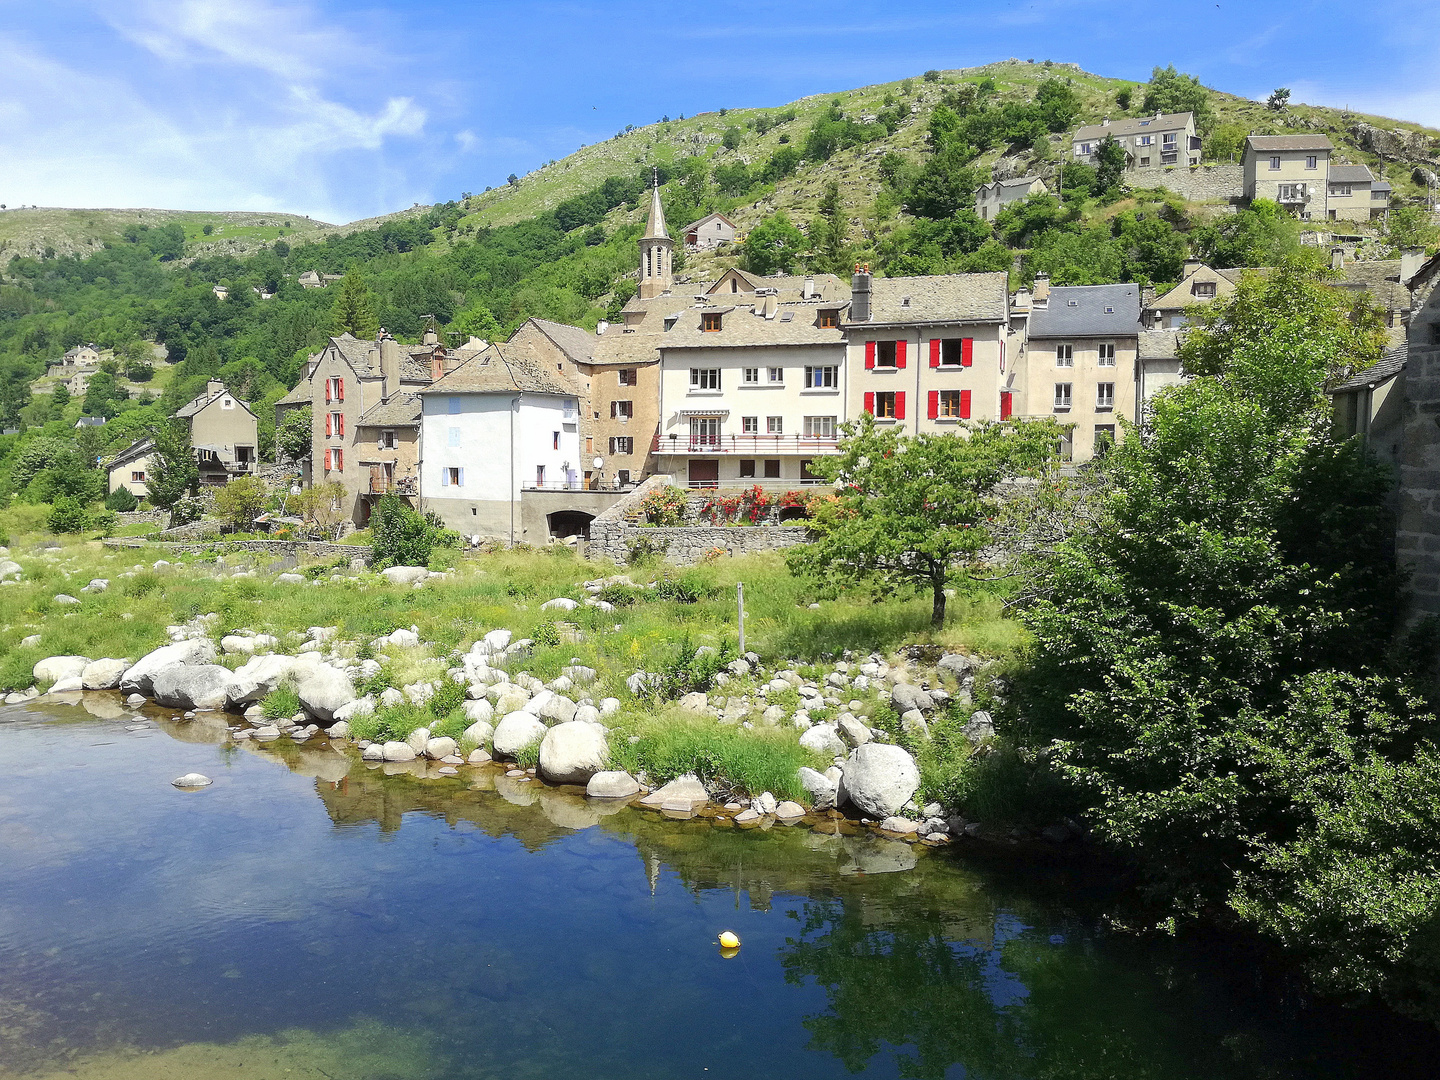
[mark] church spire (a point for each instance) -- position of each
(655, 248)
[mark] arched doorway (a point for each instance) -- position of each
(791, 515)
(567, 523)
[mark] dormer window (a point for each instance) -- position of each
(1203, 289)
(710, 321)
(904, 301)
(829, 319)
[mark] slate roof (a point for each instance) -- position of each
(741, 328)
(1381, 185)
(191, 408)
(709, 217)
(1080, 311)
(1389, 365)
(301, 395)
(134, 452)
(941, 298)
(576, 343)
(357, 353)
(402, 410)
(1381, 279)
(502, 368)
(1182, 295)
(1262, 143)
(1159, 345)
(655, 222)
(1013, 182)
(828, 288)
(1350, 174)
(1137, 125)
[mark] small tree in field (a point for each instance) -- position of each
(323, 506)
(172, 471)
(914, 511)
(292, 440)
(240, 502)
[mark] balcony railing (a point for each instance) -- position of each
(385, 485)
(749, 445)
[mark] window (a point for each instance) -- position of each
(1062, 396)
(820, 427)
(949, 405)
(952, 352)
(752, 376)
(622, 410)
(453, 404)
(539, 475)
(747, 468)
(749, 425)
(885, 353)
(821, 378)
(137, 477)
(1167, 141)
(629, 377)
(338, 456)
(777, 375)
(1104, 438)
(772, 469)
(1205, 290)
(1310, 162)
(555, 440)
(334, 390)
(1084, 148)
(829, 319)
(623, 476)
(1275, 163)
(710, 321)
(1144, 140)
(622, 444)
(885, 405)
(704, 378)
(705, 431)
(1065, 355)
(1291, 192)
(227, 403)
(1105, 395)
(452, 477)
(334, 424)
(1107, 354)
(1341, 190)
(1145, 161)
(454, 439)
(387, 439)
(774, 425)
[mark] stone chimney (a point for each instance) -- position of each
(1191, 265)
(809, 290)
(1337, 258)
(601, 327)
(431, 338)
(213, 387)
(1105, 121)
(1042, 290)
(389, 365)
(860, 294)
(1410, 263)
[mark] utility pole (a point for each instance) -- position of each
(740, 600)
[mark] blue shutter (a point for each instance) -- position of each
(444, 477)
(462, 477)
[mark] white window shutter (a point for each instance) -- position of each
(444, 477)
(462, 477)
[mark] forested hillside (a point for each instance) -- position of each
(885, 175)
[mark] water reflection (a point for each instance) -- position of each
(334, 919)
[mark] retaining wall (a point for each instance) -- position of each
(142, 517)
(313, 549)
(614, 532)
(1197, 183)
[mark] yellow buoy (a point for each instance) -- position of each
(729, 940)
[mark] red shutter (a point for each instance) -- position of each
(328, 432)
(967, 351)
(934, 352)
(339, 460)
(341, 384)
(328, 383)
(932, 409)
(899, 354)
(1005, 405)
(900, 402)
(341, 417)
(327, 460)
(869, 355)
(870, 403)
(964, 404)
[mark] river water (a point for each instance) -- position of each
(307, 916)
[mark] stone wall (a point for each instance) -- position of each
(1199, 183)
(1417, 540)
(143, 517)
(311, 549)
(614, 532)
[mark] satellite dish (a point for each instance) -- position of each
(598, 462)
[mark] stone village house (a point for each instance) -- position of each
(223, 432)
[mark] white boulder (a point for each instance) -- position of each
(573, 752)
(103, 674)
(823, 739)
(140, 678)
(515, 732)
(560, 603)
(612, 785)
(405, 575)
(54, 668)
(192, 686)
(324, 689)
(880, 779)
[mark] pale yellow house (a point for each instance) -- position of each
(1292, 170)
(131, 468)
(1164, 140)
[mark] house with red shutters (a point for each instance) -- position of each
(927, 353)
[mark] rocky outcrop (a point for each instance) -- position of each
(140, 679)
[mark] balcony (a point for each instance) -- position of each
(385, 485)
(746, 445)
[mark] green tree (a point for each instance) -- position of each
(1232, 553)
(1058, 104)
(1110, 162)
(945, 183)
(827, 234)
(1262, 234)
(102, 394)
(66, 516)
(774, 246)
(400, 536)
(59, 399)
(1279, 100)
(1070, 257)
(240, 502)
(477, 321)
(173, 472)
(296, 434)
(121, 500)
(731, 139)
(1226, 142)
(1408, 227)
(1169, 91)
(354, 308)
(912, 512)
(1150, 249)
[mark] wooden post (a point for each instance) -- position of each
(740, 598)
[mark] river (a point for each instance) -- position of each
(307, 916)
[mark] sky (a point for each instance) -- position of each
(344, 110)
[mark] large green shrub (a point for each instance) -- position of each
(66, 516)
(122, 500)
(401, 537)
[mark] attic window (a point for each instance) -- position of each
(904, 301)
(1073, 303)
(710, 321)
(227, 403)
(829, 319)
(786, 316)
(1109, 311)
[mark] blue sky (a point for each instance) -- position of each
(344, 109)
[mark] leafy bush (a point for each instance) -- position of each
(448, 697)
(546, 635)
(690, 669)
(122, 500)
(401, 537)
(66, 516)
(688, 588)
(619, 594)
(664, 506)
(644, 550)
(185, 511)
(102, 522)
